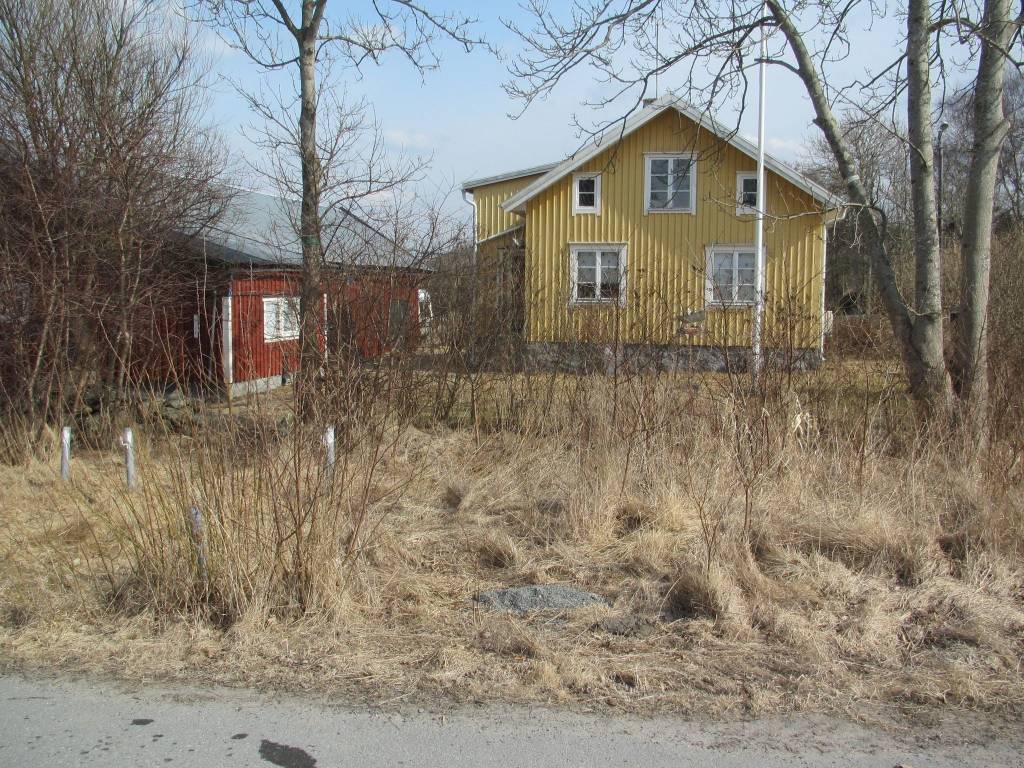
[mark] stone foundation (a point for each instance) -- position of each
(606, 358)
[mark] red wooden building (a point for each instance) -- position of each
(240, 327)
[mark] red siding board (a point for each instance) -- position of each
(253, 357)
(358, 315)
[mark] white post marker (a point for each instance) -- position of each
(328, 441)
(65, 454)
(128, 441)
(196, 518)
(759, 260)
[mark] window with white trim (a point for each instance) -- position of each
(731, 276)
(280, 318)
(670, 183)
(586, 193)
(746, 194)
(598, 273)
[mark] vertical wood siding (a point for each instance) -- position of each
(357, 314)
(666, 253)
(255, 359)
(490, 218)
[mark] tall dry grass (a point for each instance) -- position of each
(794, 544)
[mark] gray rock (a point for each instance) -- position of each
(629, 625)
(538, 597)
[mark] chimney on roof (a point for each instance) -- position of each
(648, 102)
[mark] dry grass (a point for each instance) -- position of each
(858, 572)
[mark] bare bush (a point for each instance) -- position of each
(107, 170)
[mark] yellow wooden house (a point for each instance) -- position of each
(643, 241)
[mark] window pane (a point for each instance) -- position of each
(745, 293)
(659, 166)
(745, 260)
(658, 199)
(748, 192)
(680, 199)
(270, 332)
(610, 282)
(289, 317)
(610, 290)
(586, 275)
(723, 279)
(722, 276)
(610, 259)
(681, 185)
(722, 260)
(681, 166)
(586, 193)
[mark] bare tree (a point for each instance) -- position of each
(303, 39)
(881, 154)
(714, 44)
(107, 169)
(958, 149)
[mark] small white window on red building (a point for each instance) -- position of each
(280, 318)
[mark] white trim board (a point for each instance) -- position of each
(517, 203)
(503, 233)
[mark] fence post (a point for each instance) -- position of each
(196, 516)
(128, 442)
(328, 441)
(65, 454)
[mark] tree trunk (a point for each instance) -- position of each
(970, 361)
(928, 378)
(920, 347)
(311, 301)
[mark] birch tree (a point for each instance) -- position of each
(302, 38)
(711, 46)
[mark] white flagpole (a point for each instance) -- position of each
(759, 260)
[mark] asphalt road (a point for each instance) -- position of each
(64, 723)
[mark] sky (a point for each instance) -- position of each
(459, 117)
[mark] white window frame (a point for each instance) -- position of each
(279, 332)
(648, 157)
(709, 270)
(741, 209)
(574, 250)
(578, 209)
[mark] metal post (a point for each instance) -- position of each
(328, 440)
(65, 454)
(759, 260)
(129, 457)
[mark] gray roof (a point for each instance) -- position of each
(259, 229)
(507, 176)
